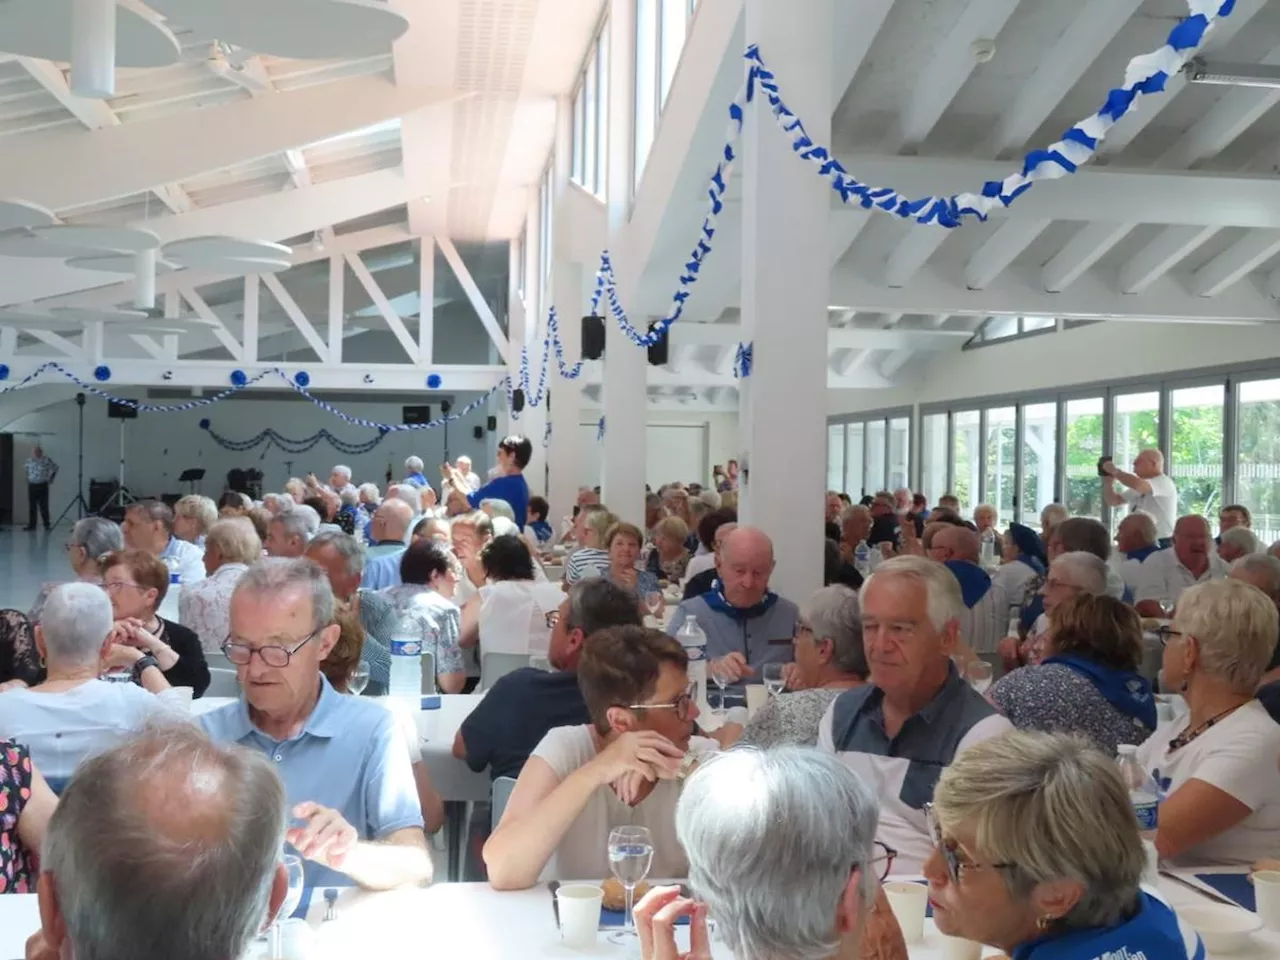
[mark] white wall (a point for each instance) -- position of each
(1103, 351)
(720, 432)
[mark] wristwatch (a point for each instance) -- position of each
(141, 665)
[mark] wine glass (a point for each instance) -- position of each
(630, 856)
(653, 603)
(979, 675)
(773, 679)
(359, 679)
(292, 897)
(720, 677)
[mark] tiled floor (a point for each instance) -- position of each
(28, 560)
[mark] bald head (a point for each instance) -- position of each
(960, 543)
(745, 563)
(1149, 463)
(391, 520)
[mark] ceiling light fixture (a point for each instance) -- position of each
(1233, 74)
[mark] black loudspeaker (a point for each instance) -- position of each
(491, 425)
(446, 406)
(592, 338)
(478, 432)
(658, 350)
(418, 414)
(121, 411)
(517, 400)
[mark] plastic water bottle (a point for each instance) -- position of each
(1144, 794)
(988, 556)
(862, 559)
(694, 641)
(406, 659)
(168, 609)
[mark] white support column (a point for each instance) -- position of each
(525, 334)
(518, 319)
(786, 275)
(626, 366)
(252, 293)
(426, 300)
(337, 306)
(565, 456)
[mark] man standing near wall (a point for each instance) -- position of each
(40, 473)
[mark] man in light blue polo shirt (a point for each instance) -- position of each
(354, 803)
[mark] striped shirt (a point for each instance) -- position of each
(40, 469)
(585, 564)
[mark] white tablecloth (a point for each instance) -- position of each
(473, 921)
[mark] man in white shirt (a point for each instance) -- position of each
(1165, 575)
(1147, 489)
(148, 525)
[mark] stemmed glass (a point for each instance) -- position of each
(979, 675)
(653, 603)
(720, 677)
(292, 897)
(359, 679)
(630, 856)
(773, 679)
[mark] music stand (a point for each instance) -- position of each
(191, 478)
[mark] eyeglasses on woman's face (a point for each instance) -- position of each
(956, 860)
(681, 704)
(882, 862)
(272, 654)
(115, 586)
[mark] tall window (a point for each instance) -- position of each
(602, 112)
(854, 482)
(591, 118)
(1002, 461)
(1085, 441)
(591, 139)
(968, 453)
(546, 232)
(835, 457)
(1258, 460)
(899, 453)
(874, 477)
(933, 456)
(675, 20)
(579, 135)
(646, 81)
(1196, 467)
(1039, 460)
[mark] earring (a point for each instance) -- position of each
(1045, 922)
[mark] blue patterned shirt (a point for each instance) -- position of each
(40, 469)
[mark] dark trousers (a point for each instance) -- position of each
(37, 498)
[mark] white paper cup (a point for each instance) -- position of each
(909, 902)
(180, 697)
(955, 948)
(1266, 889)
(757, 697)
(579, 908)
(1151, 876)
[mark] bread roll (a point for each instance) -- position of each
(615, 894)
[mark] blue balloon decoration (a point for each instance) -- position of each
(204, 424)
(102, 373)
(238, 378)
(302, 379)
(434, 381)
(4, 371)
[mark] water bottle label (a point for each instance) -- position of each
(175, 577)
(1148, 815)
(696, 653)
(406, 648)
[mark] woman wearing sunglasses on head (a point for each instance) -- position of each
(1037, 852)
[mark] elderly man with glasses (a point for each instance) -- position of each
(346, 772)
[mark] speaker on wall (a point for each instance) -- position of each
(121, 411)
(416, 414)
(517, 400)
(478, 433)
(658, 350)
(446, 406)
(592, 338)
(491, 424)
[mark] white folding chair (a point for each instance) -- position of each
(499, 794)
(494, 666)
(222, 683)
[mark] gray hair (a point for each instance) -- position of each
(342, 469)
(945, 601)
(347, 546)
(832, 613)
(598, 603)
(166, 846)
(154, 510)
(498, 508)
(350, 495)
(711, 499)
(97, 536)
(1052, 515)
(411, 496)
(1235, 625)
(1241, 537)
(275, 575)
(1267, 569)
(370, 490)
(504, 526)
(235, 540)
(75, 622)
(201, 509)
(309, 516)
(413, 464)
(776, 893)
(1145, 523)
(463, 459)
(1055, 808)
(285, 501)
(1084, 571)
(296, 523)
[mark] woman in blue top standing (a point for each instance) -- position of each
(1038, 854)
(514, 454)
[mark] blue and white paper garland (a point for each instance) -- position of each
(272, 438)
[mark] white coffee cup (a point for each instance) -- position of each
(1266, 890)
(179, 697)
(757, 697)
(579, 907)
(956, 948)
(909, 902)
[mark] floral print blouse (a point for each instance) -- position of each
(17, 865)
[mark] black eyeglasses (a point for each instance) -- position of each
(273, 655)
(882, 862)
(680, 705)
(1166, 634)
(951, 856)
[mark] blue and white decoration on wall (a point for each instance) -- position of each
(1146, 75)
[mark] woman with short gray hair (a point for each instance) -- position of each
(1037, 853)
(829, 659)
(91, 540)
(782, 852)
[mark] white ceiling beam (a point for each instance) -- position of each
(297, 165)
(67, 170)
(380, 300)
(728, 335)
(853, 32)
(895, 362)
(947, 69)
(1093, 26)
(64, 346)
(1087, 247)
(1238, 110)
(297, 317)
(852, 361)
(1232, 265)
(205, 312)
(938, 320)
(912, 252)
(725, 359)
(476, 298)
(1166, 251)
(1018, 292)
(843, 231)
(251, 74)
(1003, 247)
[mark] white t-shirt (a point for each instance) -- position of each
(1240, 756)
(1161, 503)
(513, 616)
(1162, 576)
(61, 729)
(701, 563)
(583, 853)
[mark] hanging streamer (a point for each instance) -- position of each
(289, 445)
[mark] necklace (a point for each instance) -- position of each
(1182, 739)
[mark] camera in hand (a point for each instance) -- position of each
(1102, 463)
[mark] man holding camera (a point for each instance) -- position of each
(1147, 489)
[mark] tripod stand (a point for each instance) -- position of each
(122, 497)
(78, 500)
